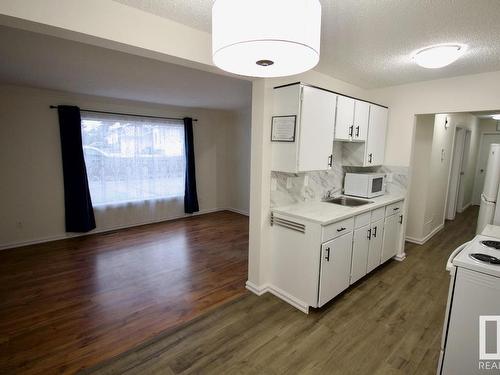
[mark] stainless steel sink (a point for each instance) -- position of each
(347, 201)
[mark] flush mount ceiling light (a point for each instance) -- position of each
(438, 56)
(266, 38)
(496, 117)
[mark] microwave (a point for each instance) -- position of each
(365, 185)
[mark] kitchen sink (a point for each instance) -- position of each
(347, 201)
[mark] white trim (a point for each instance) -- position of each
(277, 292)
(462, 209)
(57, 237)
(421, 241)
(238, 211)
(400, 257)
(256, 289)
(298, 304)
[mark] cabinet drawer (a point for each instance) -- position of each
(394, 208)
(378, 214)
(362, 220)
(337, 229)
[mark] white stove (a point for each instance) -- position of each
(474, 292)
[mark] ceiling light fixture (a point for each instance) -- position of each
(438, 56)
(266, 38)
(496, 117)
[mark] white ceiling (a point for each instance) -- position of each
(369, 42)
(43, 61)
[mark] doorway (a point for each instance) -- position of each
(455, 202)
(486, 140)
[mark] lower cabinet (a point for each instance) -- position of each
(376, 241)
(392, 234)
(360, 249)
(335, 267)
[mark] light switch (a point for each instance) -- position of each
(306, 180)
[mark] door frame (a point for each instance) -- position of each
(451, 207)
(461, 205)
(476, 169)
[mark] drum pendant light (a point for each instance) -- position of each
(266, 38)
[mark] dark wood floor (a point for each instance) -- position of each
(390, 322)
(70, 304)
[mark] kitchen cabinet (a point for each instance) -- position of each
(352, 117)
(393, 226)
(375, 250)
(335, 267)
(370, 153)
(311, 262)
(377, 128)
(315, 110)
(360, 248)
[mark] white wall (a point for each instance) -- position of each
(32, 195)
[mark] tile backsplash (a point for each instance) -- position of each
(313, 186)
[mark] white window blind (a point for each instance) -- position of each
(133, 158)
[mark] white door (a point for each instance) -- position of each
(344, 124)
(375, 143)
(392, 235)
(487, 140)
(360, 246)
(335, 267)
(375, 251)
(455, 175)
(317, 124)
(361, 117)
(464, 200)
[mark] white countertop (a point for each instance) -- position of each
(326, 213)
(491, 231)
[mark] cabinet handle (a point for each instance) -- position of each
(340, 229)
(369, 234)
(370, 157)
(357, 131)
(327, 258)
(351, 129)
(330, 160)
(400, 219)
(395, 209)
(374, 231)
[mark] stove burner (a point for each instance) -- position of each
(485, 258)
(490, 243)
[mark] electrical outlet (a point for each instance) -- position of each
(306, 180)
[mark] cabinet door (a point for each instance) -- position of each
(345, 118)
(375, 143)
(360, 246)
(317, 125)
(376, 240)
(361, 117)
(335, 267)
(392, 234)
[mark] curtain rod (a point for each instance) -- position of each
(126, 114)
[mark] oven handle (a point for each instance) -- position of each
(449, 264)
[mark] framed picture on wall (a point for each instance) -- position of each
(283, 128)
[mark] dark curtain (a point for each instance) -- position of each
(190, 195)
(77, 202)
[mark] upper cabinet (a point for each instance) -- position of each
(377, 128)
(314, 128)
(322, 116)
(352, 119)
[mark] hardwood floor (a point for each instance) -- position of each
(390, 322)
(73, 303)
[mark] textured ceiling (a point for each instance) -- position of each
(43, 61)
(369, 43)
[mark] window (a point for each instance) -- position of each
(133, 158)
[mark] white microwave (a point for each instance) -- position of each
(366, 185)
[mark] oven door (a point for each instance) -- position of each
(376, 186)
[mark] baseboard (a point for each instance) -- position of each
(460, 210)
(399, 257)
(241, 212)
(63, 236)
(421, 241)
(277, 292)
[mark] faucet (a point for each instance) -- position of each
(331, 192)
